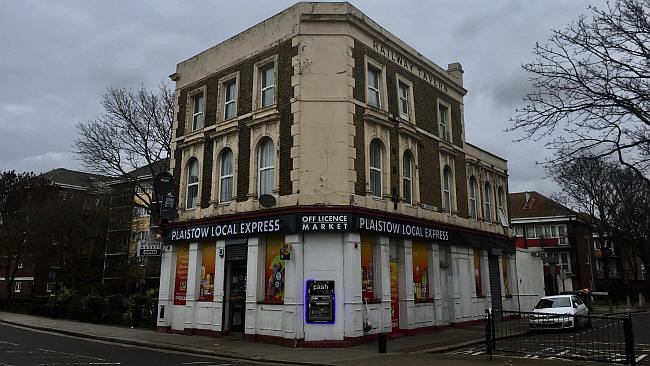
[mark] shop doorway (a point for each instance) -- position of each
(235, 290)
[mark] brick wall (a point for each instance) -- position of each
(244, 105)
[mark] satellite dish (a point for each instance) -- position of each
(267, 200)
(163, 183)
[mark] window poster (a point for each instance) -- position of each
(477, 273)
(394, 295)
(274, 267)
(207, 273)
(367, 270)
(504, 264)
(180, 285)
(421, 270)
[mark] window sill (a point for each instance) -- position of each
(269, 113)
(270, 302)
(372, 301)
(423, 301)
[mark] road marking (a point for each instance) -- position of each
(641, 357)
(71, 354)
(5, 342)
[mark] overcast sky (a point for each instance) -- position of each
(58, 57)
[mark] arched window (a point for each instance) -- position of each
(500, 212)
(407, 178)
(192, 193)
(225, 176)
(375, 168)
(266, 167)
(488, 206)
(472, 198)
(446, 185)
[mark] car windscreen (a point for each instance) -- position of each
(558, 302)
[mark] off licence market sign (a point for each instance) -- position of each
(149, 248)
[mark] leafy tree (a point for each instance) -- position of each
(590, 85)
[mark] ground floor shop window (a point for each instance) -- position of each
(207, 273)
(274, 268)
(477, 273)
(180, 283)
(367, 268)
(421, 271)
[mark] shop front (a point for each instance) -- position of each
(326, 277)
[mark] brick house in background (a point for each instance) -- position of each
(557, 234)
(319, 135)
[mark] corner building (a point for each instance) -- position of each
(326, 190)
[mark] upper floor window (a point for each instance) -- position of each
(472, 198)
(376, 160)
(443, 112)
(374, 96)
(266, 167)
(267, 86)
(230, 99)
(488, 204)
(403, 100)
(446, 186)
(192, 192)
(500, 211)
(226, 176)
(407, 178)
(197, 112)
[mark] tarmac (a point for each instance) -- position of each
(412, 349)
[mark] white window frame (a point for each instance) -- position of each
(372, 89)
(410, 105)
(230, 176)
(258, 69)
(446, 188)
(261, 169)
(519, 231)
(229, 102)
(270, 86)
(189, 110)
(376, 142)
(501, 213)
(407, 181)
(188, 184)
(381, 83)
(529, 227)
(473, 209)
(487, 200)
(18, 286)
(447, 134)
(197, 116)
(557, 256)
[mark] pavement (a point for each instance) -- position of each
(232, 347)
(417, 349)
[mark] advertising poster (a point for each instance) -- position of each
(207, 273)
(180, 285)
(367, 270)
(477, 273)
(394, 295)
(420, 270)
(274, 267)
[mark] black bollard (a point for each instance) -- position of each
(382, 342)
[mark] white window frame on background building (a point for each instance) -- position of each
(191, 202)
(519, 230)
(446, 188)
(557, 256)
(376, 171)
(407, 177)
(528, 232)
(488, 201)
(226, 175)
(266, 153)
(473, 209)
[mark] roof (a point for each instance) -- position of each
(73, 179)
(145, 171)
(537, 205)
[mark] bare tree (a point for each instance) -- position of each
(133, 131)
(590, 88)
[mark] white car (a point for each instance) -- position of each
(559, 312)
